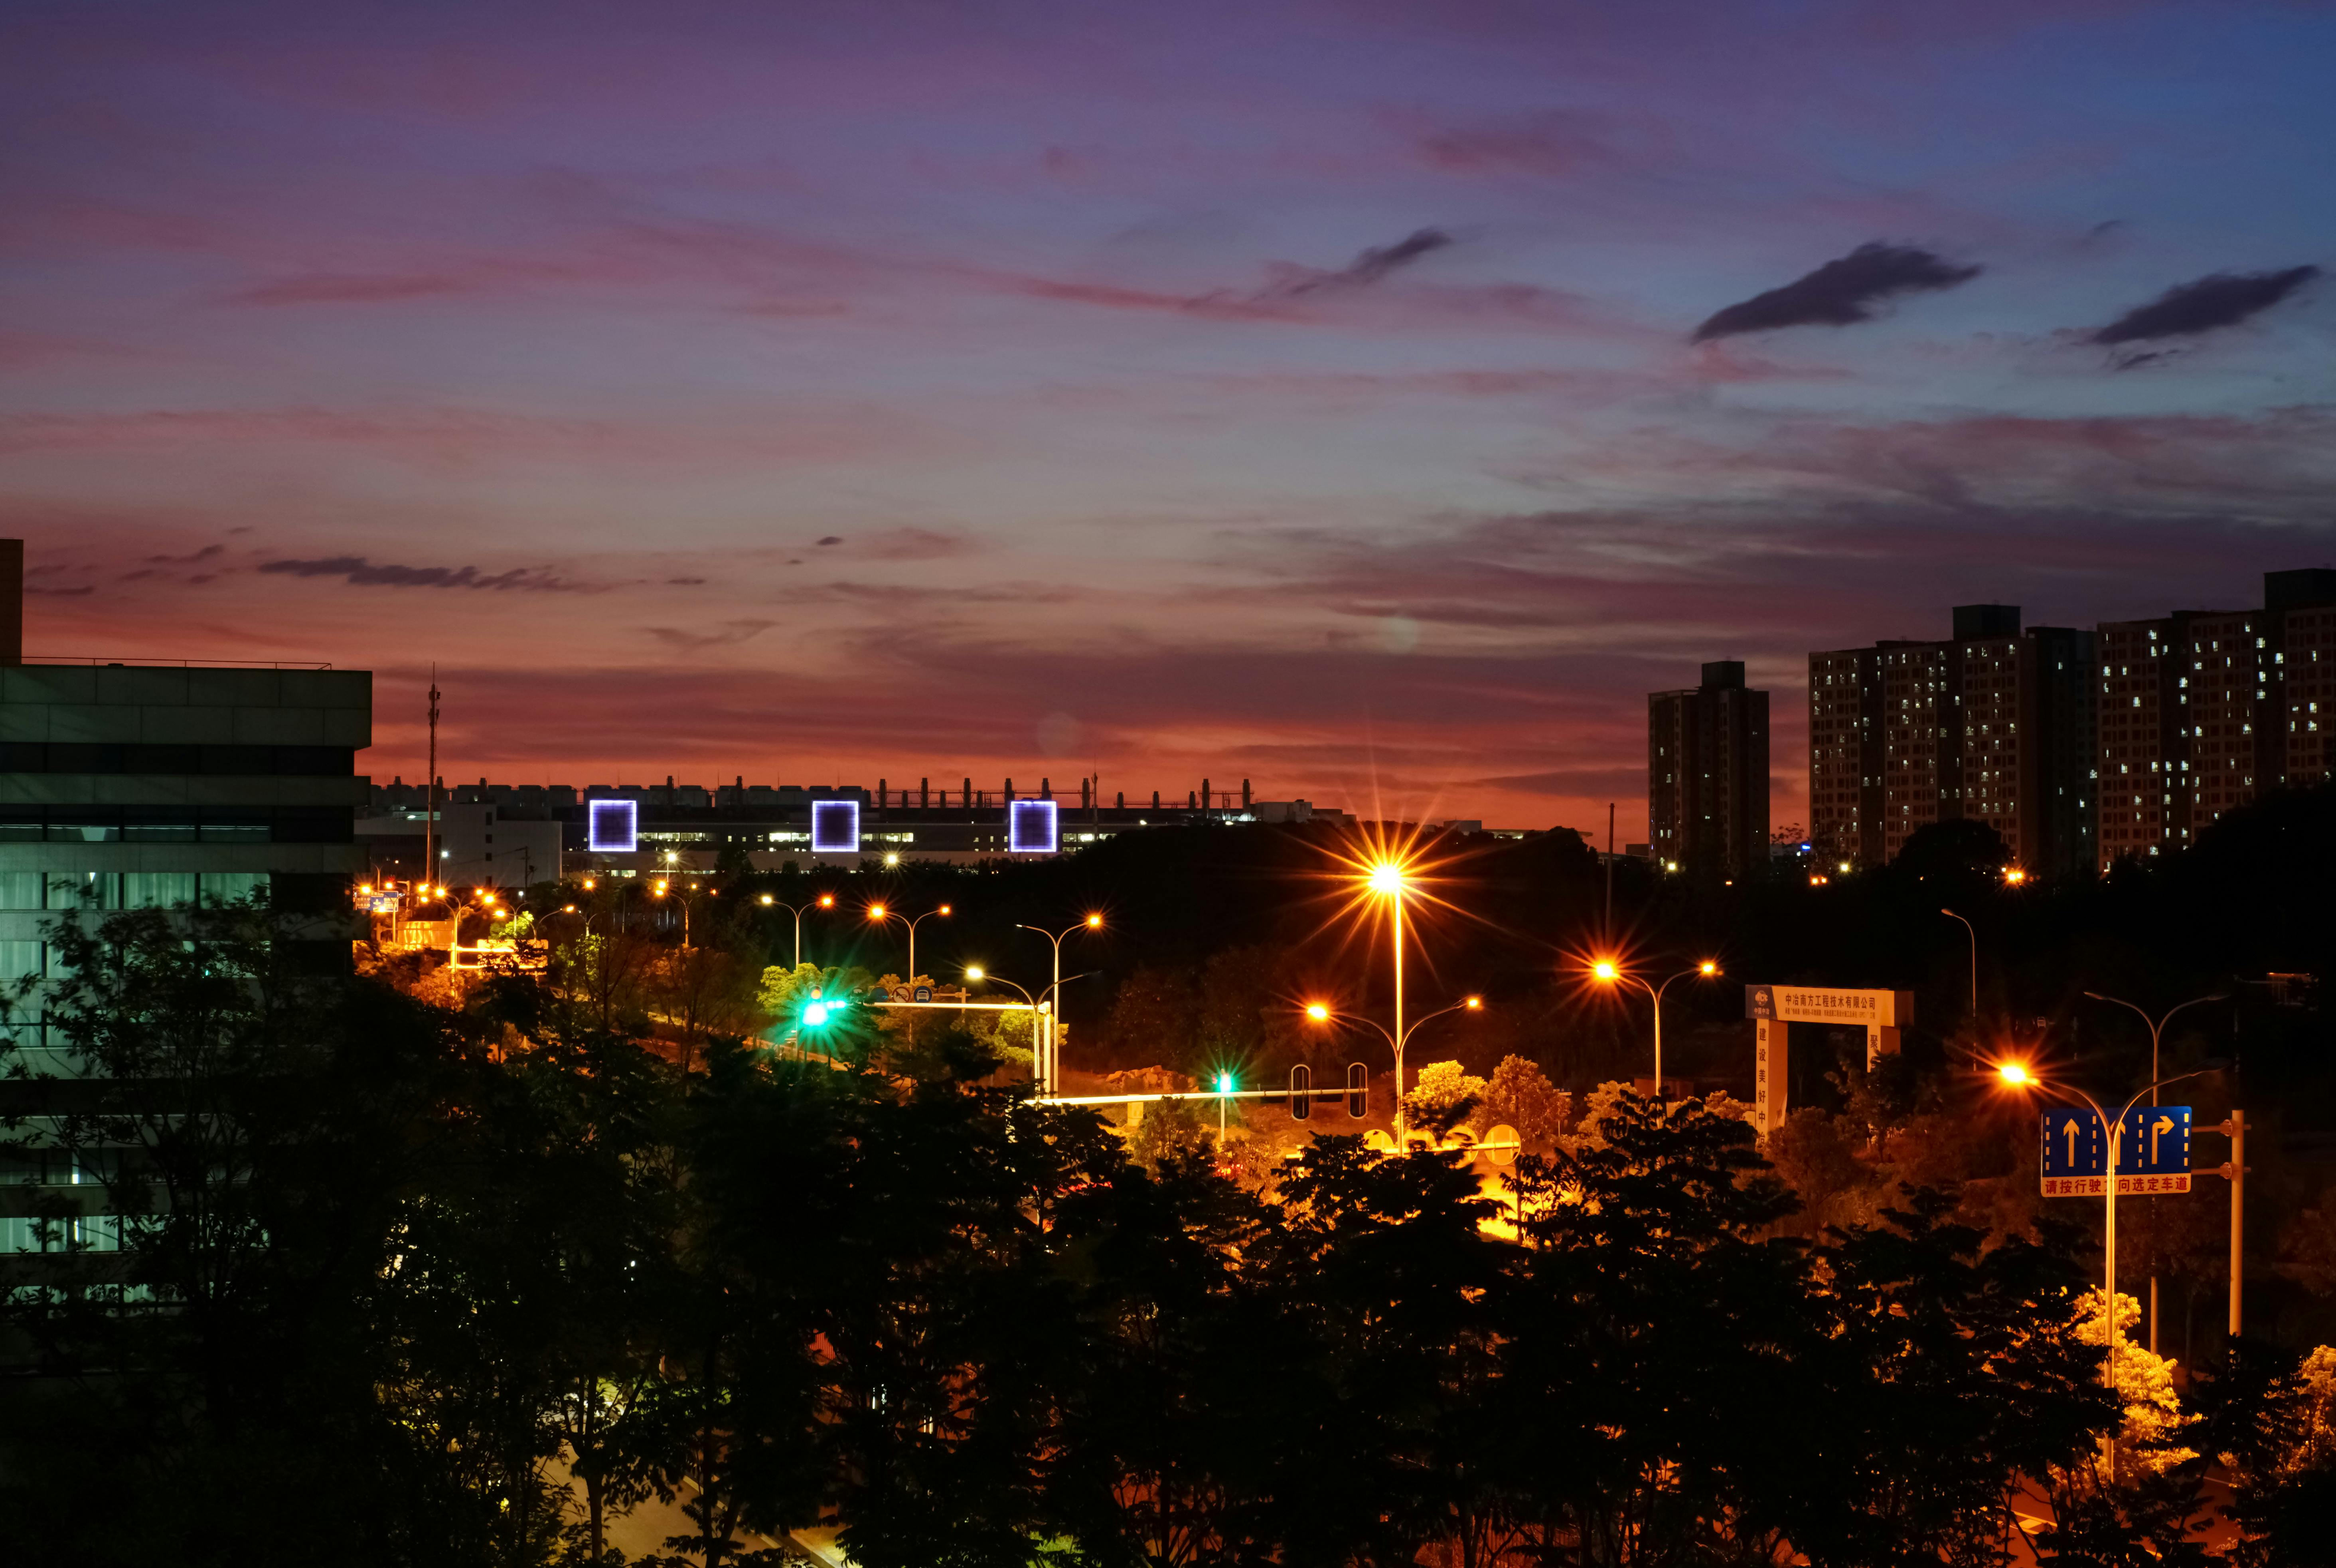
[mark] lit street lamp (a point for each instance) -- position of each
(1093, 922)
(1607, 971)
(1323, 1013)
(880, 914)
(824, 902)
(2157, 1027)
(976, 974)
(2021, 1076)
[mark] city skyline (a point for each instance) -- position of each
(1373, 401)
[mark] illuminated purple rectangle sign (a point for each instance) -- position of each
(835, 827)
(612, 827)
(1030, 827)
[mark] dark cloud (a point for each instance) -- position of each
(206, 553)
(1365, 270)
(2220, 299)
(730, 631)
(359, 573)
(1841, 293)
(832, 538)
(684, 582)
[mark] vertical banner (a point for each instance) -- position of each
(1770, 1076)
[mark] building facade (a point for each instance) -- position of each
(2206, 711)
(1707, 774)
(1994, 725)
(183, 786)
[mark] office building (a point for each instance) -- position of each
(127, 786)
(1707, 774)
(2203, 712)
(1994, 725)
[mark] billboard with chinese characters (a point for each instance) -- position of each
(612, 827)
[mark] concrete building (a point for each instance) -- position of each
(2203, 712)
(1994, 725)
(1707, 774)
(130, 785)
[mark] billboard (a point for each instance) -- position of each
(1030, 827)
(835, 827)
(612, 827)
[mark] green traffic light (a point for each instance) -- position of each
(814, 1014)
(1224, 1083)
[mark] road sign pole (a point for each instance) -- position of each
(2238, 1211)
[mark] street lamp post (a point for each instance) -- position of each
(2019, 1076)
(824, 902)
(1974, 965)
(883, 914)
(1612, 973)
(1093, 922)
(1322, 1013)
(977, 974)
(1386, 879)
(2157, 1027)
(659, 891)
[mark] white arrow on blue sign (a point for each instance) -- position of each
(2152, 1151)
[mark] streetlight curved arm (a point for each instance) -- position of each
(2158, 1028)
(1466, 1004)
(1331, 1015)
(824, 902)
(1974, 964)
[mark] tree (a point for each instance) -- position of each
(1442, 1098)
(1520, 1094)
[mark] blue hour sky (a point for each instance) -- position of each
(1371, 400)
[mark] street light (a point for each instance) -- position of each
(1610, 973)
(824, 902)
(1386, 879)
(974, 974)
(658, 892)
(2158, 1028)
(2020, 1075)
(1323, 1013)
(1974, 965)
(880, 914)
(1093, 922)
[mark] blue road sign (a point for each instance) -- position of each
(2153, 1151)
(924, 994)
(2073, 1144)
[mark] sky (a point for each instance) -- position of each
(1371, 401)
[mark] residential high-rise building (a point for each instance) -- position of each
(2206, 711)
(1994, 725)
(1707, 774)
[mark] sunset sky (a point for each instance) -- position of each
(1374, 401)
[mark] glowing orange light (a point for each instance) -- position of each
(1386, 879)
(942, 911)
(1606, 969)
(1317, 1012)
(766, 900)
(589, 884)
(973, 971)
(1095, 922)
(877, 912)
(2014, 1073)
(827, 901)
(1474, 1004)
(1707, 968)
(365, 887)
(658, 891)
(2015, 876)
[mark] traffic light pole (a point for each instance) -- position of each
(2235, 1129)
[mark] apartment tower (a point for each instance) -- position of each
(1707, 774)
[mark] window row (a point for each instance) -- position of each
(73, 757)
(177, 825)
(129, 890)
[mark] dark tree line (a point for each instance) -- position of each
(389, 1280)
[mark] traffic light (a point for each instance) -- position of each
(1301, 1092)
(1358, 1085)
(1224, 1083)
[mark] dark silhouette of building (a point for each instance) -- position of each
(1707, 774)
